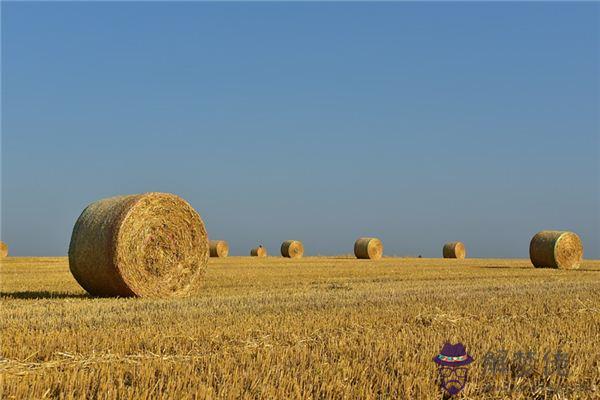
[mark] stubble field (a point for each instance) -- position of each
(313, 328)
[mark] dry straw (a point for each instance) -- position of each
(292, 249)
(3, 250)
(151, 244)
(368, 248)
(218, 248)
(454, 250)
(556, 249)
(259, 251)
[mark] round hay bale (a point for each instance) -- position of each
(151, 244)
(454, 250)
(292, 249)
(218, 248)
(258, 252)
(556, 249)
(368, 248)
(3, 250)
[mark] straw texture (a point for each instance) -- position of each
(3, 250)
(292, 249)
(556, 249)
(218, 248)
(454, 250)
(259, 251)
(151, 244)
(368, 248)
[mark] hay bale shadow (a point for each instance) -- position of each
(504, 267)
(44, 294)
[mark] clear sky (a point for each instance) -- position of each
(323, 122)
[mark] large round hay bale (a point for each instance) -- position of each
(368, 248)
(292, 249)
(259, 251)
(218, 248)
(3, 250)
(454, 250)
(151, 244)
(556, 249)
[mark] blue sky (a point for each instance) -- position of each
(323, 122)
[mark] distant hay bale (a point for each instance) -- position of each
(454, 250)
(151, 244)
(556, 249)
(3, 250)
(368, 248)
(259, 251)
(218, 248)
(292, 249)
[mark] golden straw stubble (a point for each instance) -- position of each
(368, 248)
(556, 249)
(454, 250)
(218, 248)
(3, 250)
(151, 245)
(259, 251)
(292, 249)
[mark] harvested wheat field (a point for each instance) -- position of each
(337, 328)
